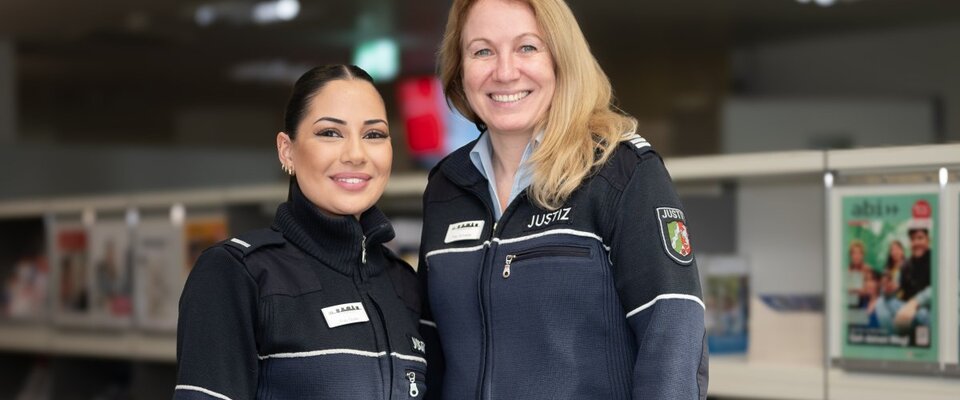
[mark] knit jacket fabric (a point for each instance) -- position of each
(598, 299)
(313, 308)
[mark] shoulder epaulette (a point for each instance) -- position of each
(636, 142)
(251, 241)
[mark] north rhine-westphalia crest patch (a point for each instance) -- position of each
(673, 231)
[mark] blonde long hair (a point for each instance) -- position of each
(581, 128)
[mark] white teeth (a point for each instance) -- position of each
(509, 98)
(350, 180)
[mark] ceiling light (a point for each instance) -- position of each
(205, 15)
(275, 11)
(380, 58)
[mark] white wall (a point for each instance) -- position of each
(779, 123)
(780, 230)
(49, 170)
(911, 62)
(8, 92)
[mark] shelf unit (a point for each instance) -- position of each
(731, 377)
(42, 337)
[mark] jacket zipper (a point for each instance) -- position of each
(482, 387)
(383, 321)
(546, 251)
(414, 390)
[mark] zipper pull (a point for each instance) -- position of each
(506, 265)
(363, 250)
(414, 392)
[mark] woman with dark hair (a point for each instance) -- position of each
(555, 250)
(315, 307)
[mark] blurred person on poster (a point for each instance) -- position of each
(896, 256)
(915, 287)
(861, 274)
(556, 240)
(315, 307)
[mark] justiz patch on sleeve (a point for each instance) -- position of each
(673, 230)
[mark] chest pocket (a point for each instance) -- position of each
(543, 254)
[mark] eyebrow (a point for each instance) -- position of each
(520, 36)
(342, 122)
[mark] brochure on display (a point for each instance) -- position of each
(110, 273)
(157, 260)
(889, 273)
(24, 295)
(727, 297)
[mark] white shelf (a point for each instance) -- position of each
(737, 378)
(746, 165)
(127, 344)
(885, 158)
(843, 385)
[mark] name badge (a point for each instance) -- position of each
(345, 314)
(466, 230)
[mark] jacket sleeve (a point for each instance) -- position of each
(428, 325)
(658, 284)
(216, 341)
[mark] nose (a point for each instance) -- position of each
(353, 152)
(506, 68)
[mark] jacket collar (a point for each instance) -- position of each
(338, 241)
(460, 169)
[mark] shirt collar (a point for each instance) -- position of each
(482, 158)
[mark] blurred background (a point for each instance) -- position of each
(160, 117)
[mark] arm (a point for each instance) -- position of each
(659, 287)
(216, 343)
(428, 326)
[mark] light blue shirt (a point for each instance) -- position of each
(481, 156)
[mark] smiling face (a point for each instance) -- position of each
(341, 154)
(508, 72)
(919, 242)
(896, 252)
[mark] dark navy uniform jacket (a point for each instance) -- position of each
(599, 299)
(315, 308)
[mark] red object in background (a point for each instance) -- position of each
(921, 209)
(421, 105)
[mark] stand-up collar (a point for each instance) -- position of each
(459, 168)
(337, 241)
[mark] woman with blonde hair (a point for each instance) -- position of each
(555, 251)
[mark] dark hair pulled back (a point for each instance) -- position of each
(309, 84)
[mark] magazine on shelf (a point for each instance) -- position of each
(158, 252)
(199, 233)
(24, 295)
(111, 273)
(727, 297)
(887, 263)
(70, 262)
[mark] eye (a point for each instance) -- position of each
(332, 133)
(483, 53)
(375, 134)
(528, 48)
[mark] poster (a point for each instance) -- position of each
(201, 233)
(24, 271)
(110, 273)
(888, 262)
(727, 299)
(157, 263)
(71, 261)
